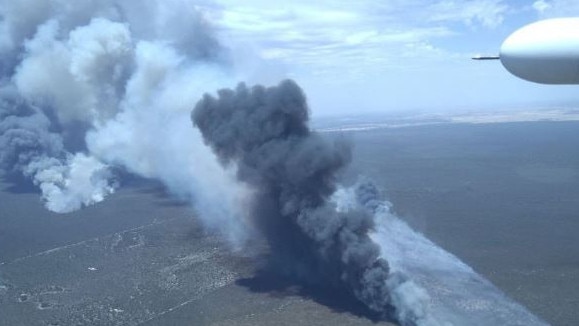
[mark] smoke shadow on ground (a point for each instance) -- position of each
(338, 300)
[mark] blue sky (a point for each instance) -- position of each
(397, 55)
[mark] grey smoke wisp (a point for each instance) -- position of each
(292, 172)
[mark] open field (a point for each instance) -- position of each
(502, 197)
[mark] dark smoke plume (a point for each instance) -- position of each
(292, 170)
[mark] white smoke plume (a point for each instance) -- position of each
(29, 147)
(89, 85)
(411, 301)
(427, 285)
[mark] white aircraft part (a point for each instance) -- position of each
(545, 52)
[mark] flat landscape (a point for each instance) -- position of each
(141, 258)
(503, 197)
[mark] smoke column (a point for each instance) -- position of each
(341, 237)
(292, 173)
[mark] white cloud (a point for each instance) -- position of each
(488, 13)
(556, 8)
(541, 6)
(322, 36)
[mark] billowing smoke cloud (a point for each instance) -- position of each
(29, 147)
(292, 172)
(89, 85)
